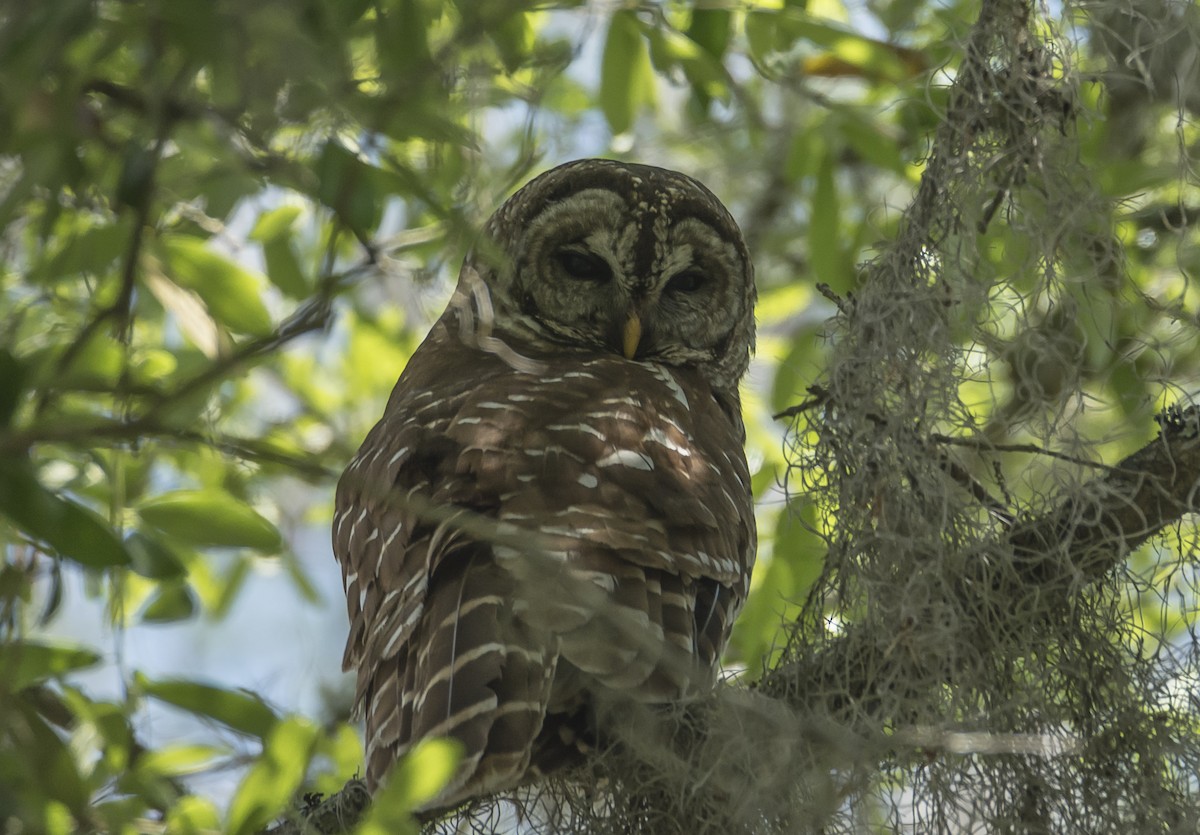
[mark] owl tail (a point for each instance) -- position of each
(470, 673)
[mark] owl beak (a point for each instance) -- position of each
(631, 337)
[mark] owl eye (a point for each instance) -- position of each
(688, 281)
(583, 266)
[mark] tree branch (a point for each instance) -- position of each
(1092, 531)
(1055, 555)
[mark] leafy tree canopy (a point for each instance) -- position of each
(225, 226)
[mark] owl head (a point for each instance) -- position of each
(599, 256)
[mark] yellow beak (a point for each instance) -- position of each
(632, 335)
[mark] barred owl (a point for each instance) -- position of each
(555, 507)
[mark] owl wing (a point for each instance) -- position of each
(431, 637)
(630, 476)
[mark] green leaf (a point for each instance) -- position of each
(803, 153)
(23, 663)
(99, 364)
(761, 33)
(180, 759)
(781, 584)
(238, 709)
(345, 185)
(343, 750)
(91, 251)
(825, 249)
(402, 41)
(284, 270)
(626, 78)
(275, 230)
(153, 559)
(69, 529)
(37, 761)
(798, 368)
(198, 29)
(17, 581)
(851, 55)
(275, 223)
(669, 49)
(513, 37)
(12, 385)
(193, 816)
(229, 585)
(301, 581)
(172, 602)
(711, 28)
(418, 777)
(872, 142)
(209, 518)
(274, 778)
(109, 720)
(136, 183)
(798, 547)
(229, 291)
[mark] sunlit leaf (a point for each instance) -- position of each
(152, 365)
(193, 815)
(343, 747)
(100, 363)
(423, 773)
(180, 759)
(232, 294)
(238, 709)
(275, 776)
(854, 56)
(192, 318)
(418, 777)
(211, 518)
(275, 223)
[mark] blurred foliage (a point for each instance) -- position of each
(224, 227)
